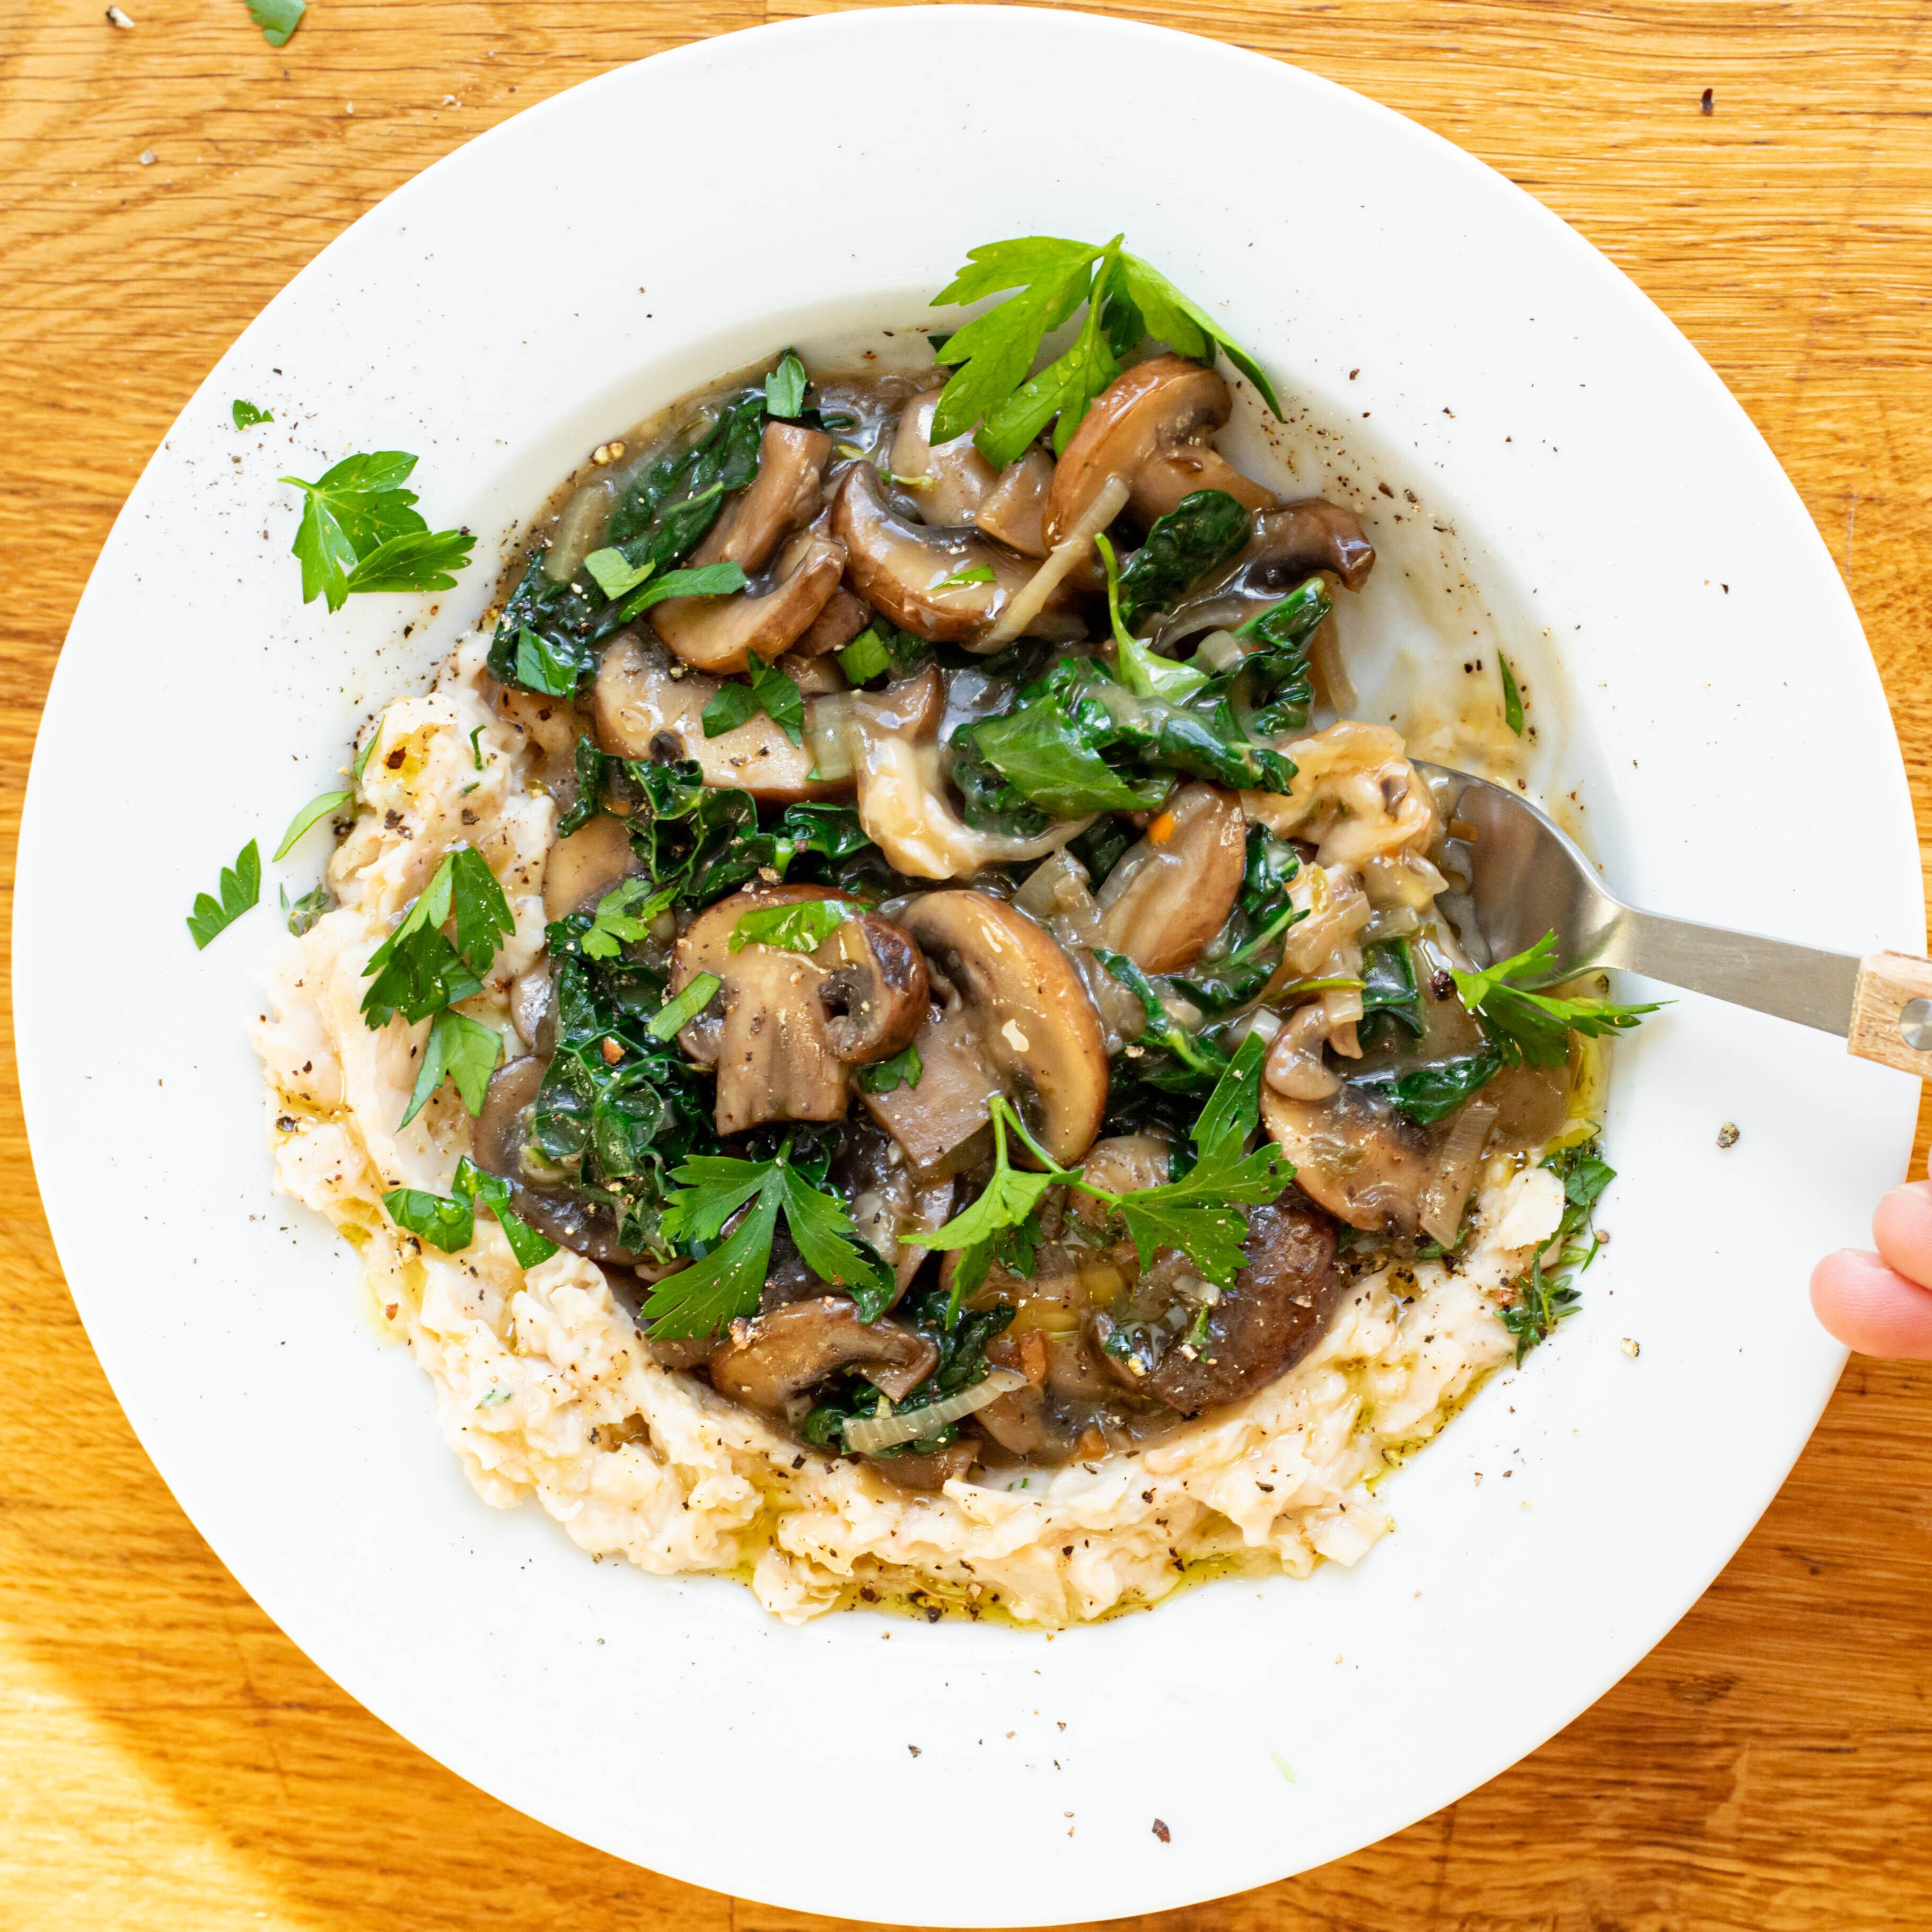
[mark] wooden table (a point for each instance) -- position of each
(167, 1758)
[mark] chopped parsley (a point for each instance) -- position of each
(241, 887)
(1512, 697)
(1544, 1298)
(1524, 1024)
(318, 808)
(449, 1222)
(1127, 300)
(360, 531)
(416, 971)
(886, 1076)
(785, 387)
(1199, 1214)
(768, 690)
(247, 415)
(726, 1280)
(458, 1048)
(674, 1016)
(302, 914)
(803, 927)
(624, 917)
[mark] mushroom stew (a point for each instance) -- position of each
(983, 1023)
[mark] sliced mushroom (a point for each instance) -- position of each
(1363, 1162)
(1165, 899)
(942, 1122)
(1015, 509)
(1295, 1068)
(540, 1194)
(911, 571)
(815, 677)
(767, 1361)
(1149, 427)
(1288, 546)
(928, 1474)
(580, 869)
(784, 494)
(764, 1029)
(642, 709)
(874, 992)
(835, 627)
(1028, 1007)
(724, 634)
(1279, 1306)
(897, 764)
(961, 487)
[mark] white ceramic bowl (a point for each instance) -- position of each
(600, 254)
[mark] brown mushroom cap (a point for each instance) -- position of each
(764, 1362)
(874, 991)
(571, 1220)
(961, 487)
(835, 627)
(784, 494)
(943, 1123)
(641, 711)
(580, 869)
(724, 634)
(1028, 1007)
(1279, 1306)
(764, 1030)
(1366, 1163)
(903, 569)
(1167, 897)
(1288, 546)
(1149, 427)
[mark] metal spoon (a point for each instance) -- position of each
(1528, 878)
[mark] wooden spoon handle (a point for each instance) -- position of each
(1891, 1012)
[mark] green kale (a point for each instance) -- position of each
(1389, 987)
(1432, 1093)
(1203, 530)
(616, 1126)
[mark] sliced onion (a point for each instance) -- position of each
(869, 1434)
(1031, 599)
(826, 719)
(1446, 1192)
(1220, 650)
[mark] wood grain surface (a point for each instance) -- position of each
(167, 1758)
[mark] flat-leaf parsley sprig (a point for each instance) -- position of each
(241, 887)
(1128, 300)
(448, 1221)
(1547, 1294)
(726, 1281)
(360, 531)
(1197, 1213)
(1527, 1024)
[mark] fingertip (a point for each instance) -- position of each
(1871, 1307)
(1902, 1227)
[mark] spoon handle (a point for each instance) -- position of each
(1880, 1005)
(1891, 1012)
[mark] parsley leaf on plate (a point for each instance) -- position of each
(1526, 1023)
(1512, 697)
(623, 917)
(247, 415)
(302, 914)
(318, 808)
(360, 531)
(241, 887)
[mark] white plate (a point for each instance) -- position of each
(597, 255)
